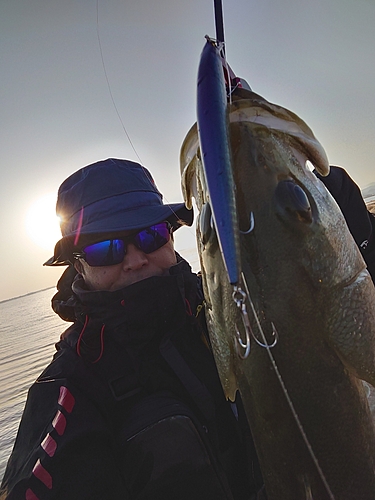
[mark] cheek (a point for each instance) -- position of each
(163, 258)
(169, 254)
(100, 278)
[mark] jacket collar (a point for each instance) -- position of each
(155, 296)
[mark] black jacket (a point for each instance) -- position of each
(360, 221)
(131, 406)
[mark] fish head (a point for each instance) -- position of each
(273, 151)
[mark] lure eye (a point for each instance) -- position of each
(292, 200)
(205, 223)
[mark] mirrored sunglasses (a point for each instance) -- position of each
(112, 252)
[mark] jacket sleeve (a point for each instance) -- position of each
(349, 198)
(62, 449)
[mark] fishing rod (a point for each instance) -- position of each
(219, 22)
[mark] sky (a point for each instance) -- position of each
(78, 78)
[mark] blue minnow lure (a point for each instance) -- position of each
(213, 132)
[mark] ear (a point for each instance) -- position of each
(78, 266)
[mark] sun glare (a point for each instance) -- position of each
(42, 225)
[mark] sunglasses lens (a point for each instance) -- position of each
(111, 252)
(151, 239)
(105, 253)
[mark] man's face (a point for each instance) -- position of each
(135, 267)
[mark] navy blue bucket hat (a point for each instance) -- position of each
(110, 196)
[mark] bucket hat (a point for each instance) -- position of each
(112, 195)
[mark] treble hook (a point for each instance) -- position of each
(239, 297)
(274, 334)
(246, 346)
(252, 224)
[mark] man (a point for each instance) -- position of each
(131, 406)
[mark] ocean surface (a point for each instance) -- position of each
(28, 331)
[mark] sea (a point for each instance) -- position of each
(29, 330)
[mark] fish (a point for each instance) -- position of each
(296, 339)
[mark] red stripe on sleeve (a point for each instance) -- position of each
(59, 423)
(66, 399)
(40, 472)
(49, 445)
(30, 495)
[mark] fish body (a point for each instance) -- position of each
(304, 397)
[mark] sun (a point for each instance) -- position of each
(42, 225)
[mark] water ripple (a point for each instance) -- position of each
(29, 330)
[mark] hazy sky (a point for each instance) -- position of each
(57, 115)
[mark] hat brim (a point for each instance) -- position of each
(177, 214)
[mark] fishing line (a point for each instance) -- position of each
(113, 100)
(285, 391)
(226, 65)
(108, 84)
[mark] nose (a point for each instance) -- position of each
(134, 258)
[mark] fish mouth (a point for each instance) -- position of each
(274, 118)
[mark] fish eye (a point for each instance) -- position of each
(292, 200)
(206, 224)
